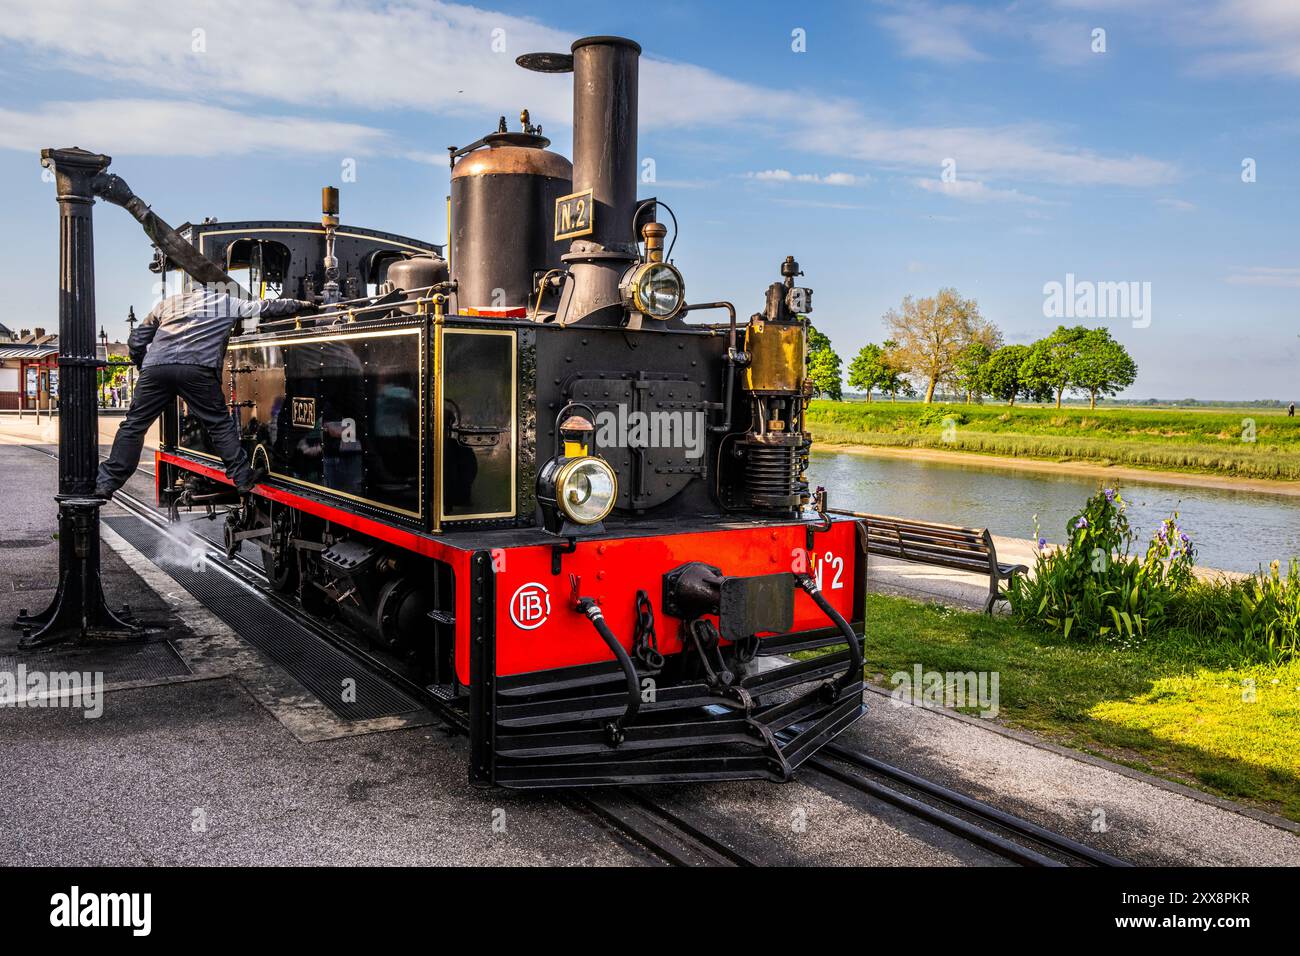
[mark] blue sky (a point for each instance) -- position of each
(1115, 166)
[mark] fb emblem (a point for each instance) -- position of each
(530, 607)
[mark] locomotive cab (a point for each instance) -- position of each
(553, 490)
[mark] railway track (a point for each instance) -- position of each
(1011, 837)
(667, 837)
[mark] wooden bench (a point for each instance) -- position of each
(945, 545)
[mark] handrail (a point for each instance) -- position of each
(335, 310)
(732, 356)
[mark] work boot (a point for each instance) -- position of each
(103, 492)
(255, 477)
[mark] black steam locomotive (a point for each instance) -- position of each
(568, 500)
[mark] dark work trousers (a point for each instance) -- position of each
(157, 386)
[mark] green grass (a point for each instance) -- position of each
(1173, 708)
(1164, 439)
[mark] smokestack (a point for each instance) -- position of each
(604, 135)
(605, 71)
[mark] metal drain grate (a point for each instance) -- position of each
(332, 676)
(119, 664)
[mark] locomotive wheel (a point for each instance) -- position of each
(279, 560)
(228, 538)
(402, 613)
(281, 569)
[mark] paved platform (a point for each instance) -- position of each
(230, 761)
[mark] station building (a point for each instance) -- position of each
(29, 368)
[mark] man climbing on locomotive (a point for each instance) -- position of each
(180, 348)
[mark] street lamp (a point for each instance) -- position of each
(131, 320)
(103, 380)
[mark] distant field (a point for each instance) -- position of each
(1188, 440)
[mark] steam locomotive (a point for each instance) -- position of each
(531, 472)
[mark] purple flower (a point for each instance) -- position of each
(1081, 523)
(1042, 542)
(1110, 494)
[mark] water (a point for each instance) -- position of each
(1232, 530)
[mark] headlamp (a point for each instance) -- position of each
(585, 490)
(576, 491)
(656, 289)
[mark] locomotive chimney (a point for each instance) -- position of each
(604, 160)
(605, 71)
(604, 135)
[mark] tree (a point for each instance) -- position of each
(869, 368)
(1050, 366)
(1103, 366)
(1002, 373)
(824, 365)
(896, 372)
(968, 375)
(931, 332)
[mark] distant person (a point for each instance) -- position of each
(180, 348)
(1290, 410)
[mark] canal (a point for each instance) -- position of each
(1233, 530)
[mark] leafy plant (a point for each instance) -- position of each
(939, 414)
(1093, 587)
(1260, 613)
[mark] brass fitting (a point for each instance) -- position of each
(654, 233)
(329, 206)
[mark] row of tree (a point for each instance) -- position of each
(944, 341)
(1076, 359)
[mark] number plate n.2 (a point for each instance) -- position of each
(574, 215)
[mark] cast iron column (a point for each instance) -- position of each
(78, 611)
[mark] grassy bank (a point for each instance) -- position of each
(1205, 442)
(1173, 708)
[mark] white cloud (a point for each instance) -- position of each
(935, 33)
(826, 179)
(1267, 276)
(952, 34)
(429, 159)
(1247, 36)
(818, 204)
(1262, 36)
(143, 127)
(1182, 205)
(439, 58)
(970, 190)
(430, 56)
(1020, 152)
